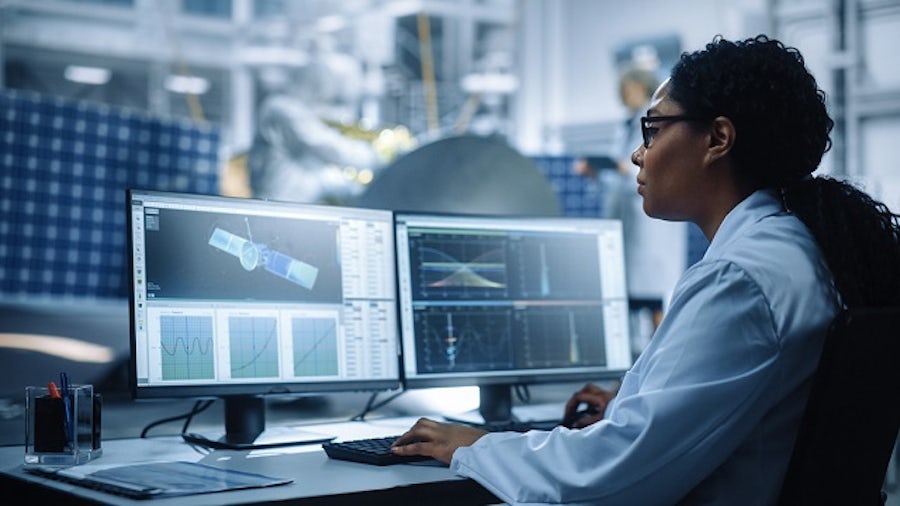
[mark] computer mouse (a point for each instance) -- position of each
(570, 421)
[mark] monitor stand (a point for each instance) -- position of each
(245, 428)
(494, 407)
(495, 412)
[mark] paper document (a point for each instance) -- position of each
(160, 479)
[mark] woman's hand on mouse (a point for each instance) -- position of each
(595, 398)
(436, 439)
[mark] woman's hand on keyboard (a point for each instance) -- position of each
(436, 439)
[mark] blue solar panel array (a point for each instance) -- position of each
(64, 169)
(578, 195)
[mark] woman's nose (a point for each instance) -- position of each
(637, 156)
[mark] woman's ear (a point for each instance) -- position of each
(721, 137)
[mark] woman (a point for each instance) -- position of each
(710, 410)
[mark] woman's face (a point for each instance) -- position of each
(670, 176)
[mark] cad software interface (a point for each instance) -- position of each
(494, 296)
(241, 291)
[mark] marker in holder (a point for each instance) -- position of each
(61, 425)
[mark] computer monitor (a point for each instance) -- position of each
(239, 298)
(503, 301)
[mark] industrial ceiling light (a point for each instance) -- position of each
(188, 85)
(87, 75)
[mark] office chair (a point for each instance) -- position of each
(850, 424)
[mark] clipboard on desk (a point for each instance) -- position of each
(159, 479)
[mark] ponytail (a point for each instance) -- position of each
(859, 236)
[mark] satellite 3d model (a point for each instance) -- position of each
(253, 255)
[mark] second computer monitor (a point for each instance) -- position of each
(501, 301)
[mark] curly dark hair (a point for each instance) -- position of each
(783, 129)
(764, 88)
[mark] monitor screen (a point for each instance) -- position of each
(237, 298)
(503, 301)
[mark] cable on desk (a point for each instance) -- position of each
(199, 407)
(370, 406)
(523, 393)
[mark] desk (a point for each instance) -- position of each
(317, 479)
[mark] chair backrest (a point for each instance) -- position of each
(851, 421)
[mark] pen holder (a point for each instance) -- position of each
(61, 430)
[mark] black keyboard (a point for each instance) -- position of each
(369, 451)
(378, 450)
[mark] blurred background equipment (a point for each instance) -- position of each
(299, 153)
(653, 271)
(464, 174)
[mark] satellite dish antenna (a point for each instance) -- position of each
(463, 174)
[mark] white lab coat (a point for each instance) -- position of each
(709, 412)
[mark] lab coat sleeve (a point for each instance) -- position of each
(691, 398)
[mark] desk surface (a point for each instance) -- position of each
(317, 479)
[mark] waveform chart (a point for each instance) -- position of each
(557, 268)
(463, 268)
(315, 346)
(186, 347)
(460, 340)
(253, 346)
(561, 337)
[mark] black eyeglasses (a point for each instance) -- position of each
(648, 132)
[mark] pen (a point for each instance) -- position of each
(54, 392)
(64, 383)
